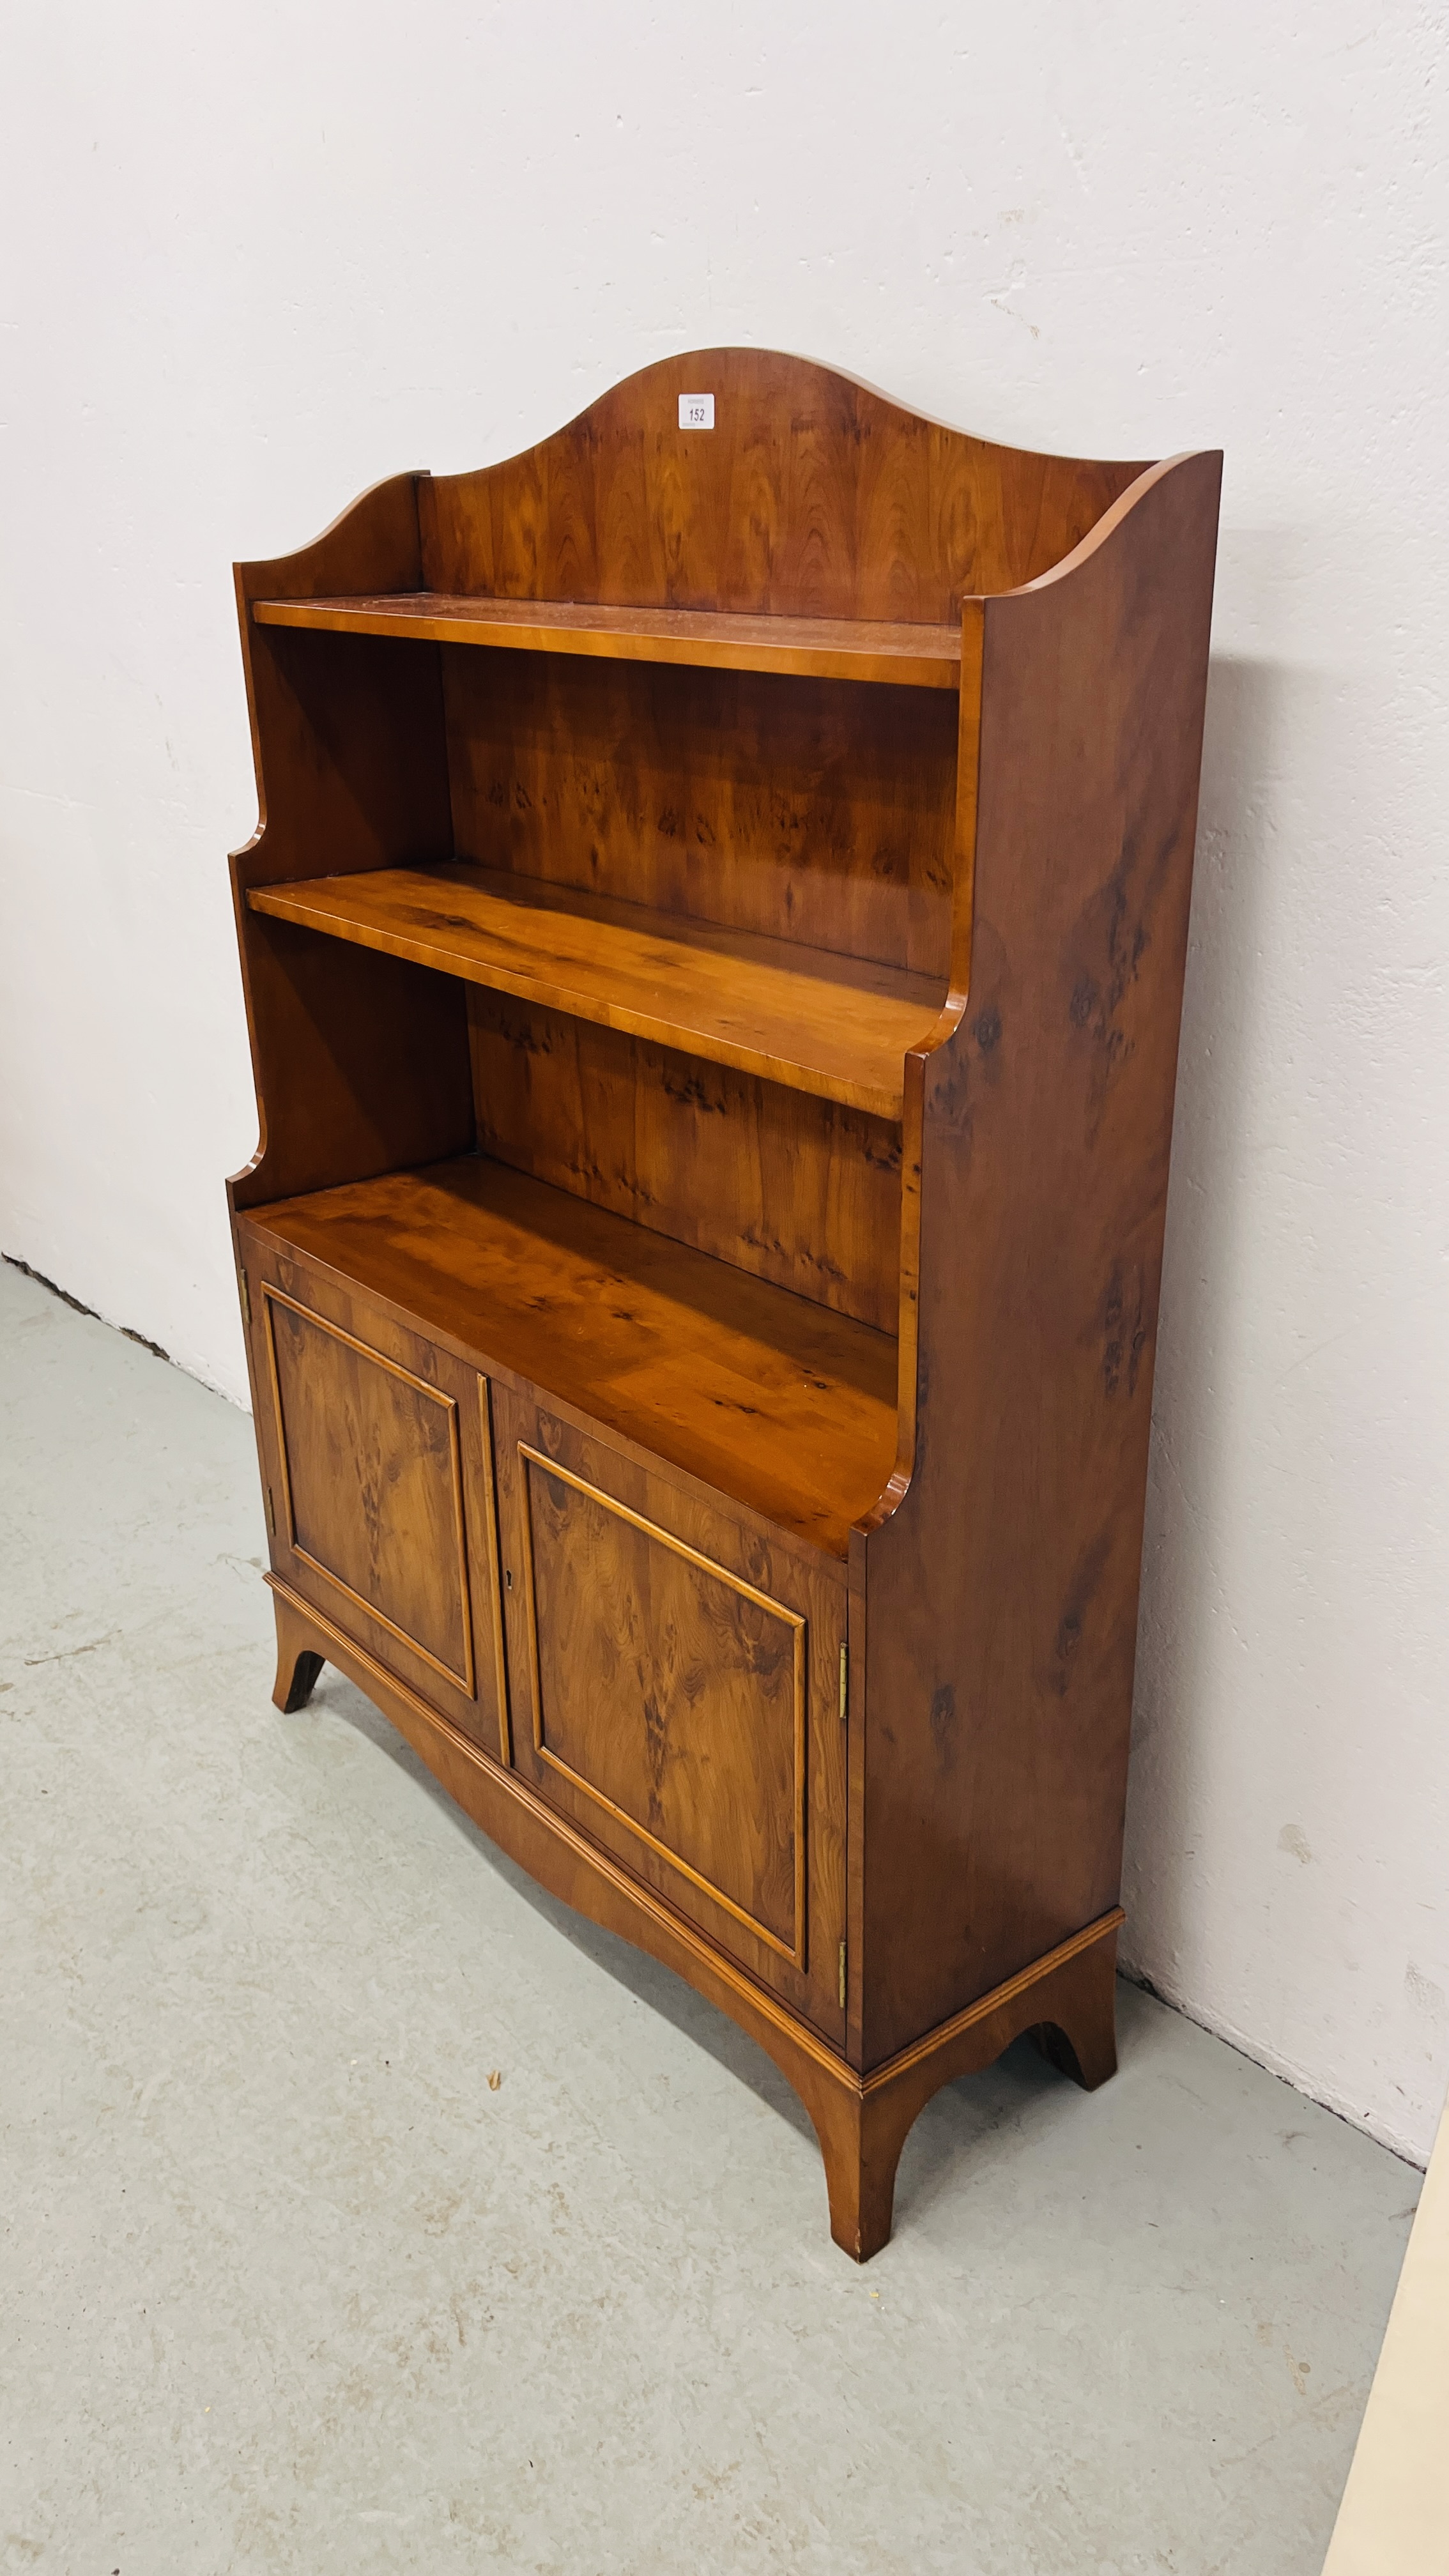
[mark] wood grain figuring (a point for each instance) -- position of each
(840, 648)
(715, 1767)
(366, 1500)
(795, 1190)
(1001, 1593)
(792, 808)
(372, 1483)
(818, 1022)
(812, 497)
(671, 1691)
(790, 1409)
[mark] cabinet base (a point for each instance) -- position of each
(1065, 1998)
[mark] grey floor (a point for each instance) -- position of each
(293, 2281)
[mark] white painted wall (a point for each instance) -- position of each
(255, 257)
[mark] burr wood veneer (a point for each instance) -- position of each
(713, 951)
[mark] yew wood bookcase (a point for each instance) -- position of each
(713, 951)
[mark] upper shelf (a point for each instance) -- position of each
(821, 648)
(840, 1027)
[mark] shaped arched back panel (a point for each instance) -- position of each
(811, 496)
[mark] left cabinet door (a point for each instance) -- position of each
(377, 1472)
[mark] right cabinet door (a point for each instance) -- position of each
(675, 1688)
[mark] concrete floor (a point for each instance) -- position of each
(289, 2284)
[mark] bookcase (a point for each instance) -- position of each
(713, 950)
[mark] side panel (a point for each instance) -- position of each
(1001, 1596)
(361, 1061)
(377, 1471)
(675, 1683)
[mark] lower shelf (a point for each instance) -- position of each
(778, 1403)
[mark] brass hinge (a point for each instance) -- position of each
(271, 1512)
(844, 1680)
(842, 1976)
(246, 1294)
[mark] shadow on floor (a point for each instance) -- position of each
(954, 2128)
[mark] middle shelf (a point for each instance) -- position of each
(839, 1027)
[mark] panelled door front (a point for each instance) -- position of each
(676, 1691)
(379, 1486)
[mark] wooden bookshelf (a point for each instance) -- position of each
(821, 648)
(700, 1267)
(836, 1026)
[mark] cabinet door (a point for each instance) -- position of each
(675, 1682)
(377, 1466)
